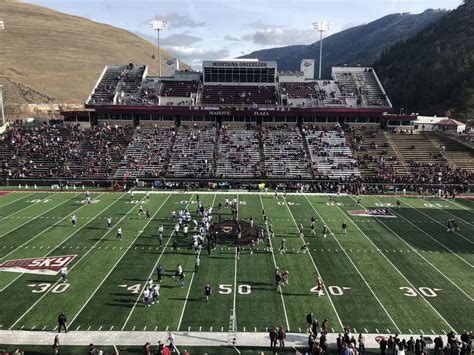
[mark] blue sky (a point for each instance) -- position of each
(218, 29)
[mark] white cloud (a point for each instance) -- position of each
(268, 35)
(180, 39)
(176, 20)
(195, 55)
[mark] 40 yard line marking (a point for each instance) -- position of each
(151, 274)
(18, 199)
(118, 261)
(191, 282)
(275, 264)
(396, 269)
(24, 208)
(30, 220)
(357, 269)
(77, 262)
(47, 229)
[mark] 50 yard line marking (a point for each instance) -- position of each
(77, 262)
(390, 262)
(235, 278)
(275, 265)
(355, 267)
(191, 282)
(51, 226)
(151, 273)
(119, 259)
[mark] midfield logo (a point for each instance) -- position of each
(383, 213)
(41, 266)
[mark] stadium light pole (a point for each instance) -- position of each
(2, 27)
(321, 27)
(158, 25)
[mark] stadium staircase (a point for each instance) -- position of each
(456, 153)
(308, 154)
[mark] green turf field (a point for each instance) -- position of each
(386, 275)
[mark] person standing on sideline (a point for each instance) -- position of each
(309, 318)
(171, 345)
(281, 337)
(197, 262)
(273, 338)
(62, 321)
(361, 344)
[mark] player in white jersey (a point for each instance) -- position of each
(185, 231)
(64, 273)
(160, 233)
(88, 200)
(173, 215)
(156, 294)
(226, 203)
(119, 233)
(146, 297)
(140, 211)
(147, 195)
(109, 223)
(73, 220)
(176, 229)
(88, 194)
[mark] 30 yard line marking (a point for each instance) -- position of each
(77, 262)
(436, 221)
(434, 239)
(26, 207)
(396, 269)
(275, 264)
(45, 230)
(151, 274)
(30, 220)
(356, 269)
(190, 284)
(64, 241)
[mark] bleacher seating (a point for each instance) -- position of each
(300, 90)
(238, 153)
(192, 154)
(329, 152)
(179, 88)
(105, 91)
(147, 153)
(284, 153)
(245, 95)
(460, 156)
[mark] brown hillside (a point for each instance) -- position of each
(47, 56)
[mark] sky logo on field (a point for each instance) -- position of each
(384, 213)
(41, 266)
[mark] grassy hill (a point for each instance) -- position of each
(51, 57)
(433, 72)
(357, 45)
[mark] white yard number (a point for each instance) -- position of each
(37, 200)
(186, 202)
(439, 205)
(281, 203)
(425, 291)
(381, 204)
(44, 287)
(242, 202)
(334, 204)
(92, 201)
(135, 289)
(226, 289)
(333, 290)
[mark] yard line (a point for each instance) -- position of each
(427, 234)
(30, 220)
(235, 292)
(275, 264)
(18, 199)
(192, 278)
(119, 259)
(77, 262)
(64, 241)
(24, 208)
(45, 230)
(414, 288)
(460, 205)
(436, 221)
(151, 273)
(356, 268)
(427, 261)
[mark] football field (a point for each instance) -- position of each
(400, 272)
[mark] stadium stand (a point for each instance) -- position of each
(330, 155)
(300, 90)
(57, 151)
(235, 95)
(147, 153)
(239, 153)
(193, 152)
(284, 152)
(179, 88)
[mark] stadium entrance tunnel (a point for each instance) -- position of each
(227, 232)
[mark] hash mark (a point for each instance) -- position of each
(100, 328)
